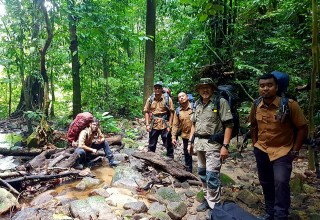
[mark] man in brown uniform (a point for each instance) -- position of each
(276, 143)
(158, 112)
(207, 121)
(182, 122)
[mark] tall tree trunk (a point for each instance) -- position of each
(10, 93)
(43, 51)
(315, 72)
(53, 98)
(75, 71)
(150, 48)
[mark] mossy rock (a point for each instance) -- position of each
(161, 215)
(200, 196)
(226, 180)
(167, 193)
(129, 143)
(296, 184)
(309, 189)
(32, 140)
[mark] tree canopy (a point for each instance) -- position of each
(88, 55)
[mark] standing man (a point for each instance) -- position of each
(276, 143)
(182, 124)
(158, 112)
(207, 121)
(90, 141)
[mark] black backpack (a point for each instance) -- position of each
(229, 210)
(228, 93)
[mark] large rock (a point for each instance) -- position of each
(7, 201)
(249, 198)
(87, 182)
(166, 195)
(126, 177)
(137, 207)
(93, 207)
(177, 210)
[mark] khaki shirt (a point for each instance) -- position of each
(274, 137)
(208, 122)
(182, 122)
(86, 137)
(159, 109)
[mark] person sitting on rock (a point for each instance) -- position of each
(90, 141)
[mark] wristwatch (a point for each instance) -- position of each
(294, 153)
(226, 146)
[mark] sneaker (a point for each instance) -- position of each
(114, 163)
(203, 206)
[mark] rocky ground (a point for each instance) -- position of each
(139, 190)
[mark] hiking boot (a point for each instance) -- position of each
(114, 163)
(79, 167)
(265, 217)
(203, 206)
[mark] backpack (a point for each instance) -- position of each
(228, 93)
(81, 121)
(229, 210)
(283, 83)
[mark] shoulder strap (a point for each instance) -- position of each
(178, 111)
(151, 99)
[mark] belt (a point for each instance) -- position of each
(202, 136)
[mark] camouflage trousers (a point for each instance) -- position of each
(209, 166)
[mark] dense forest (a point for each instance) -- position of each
(59, 58)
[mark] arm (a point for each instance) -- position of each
(191, 139)
(146, 111)
(302, 133)
(175, 127)
(226, 140)
(82, 144)
(100, 137)
(253, 125)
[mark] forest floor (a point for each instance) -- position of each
(240, 168)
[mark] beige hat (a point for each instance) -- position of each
(206, 81)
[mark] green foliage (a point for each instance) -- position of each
(35, 116)
(107, 122)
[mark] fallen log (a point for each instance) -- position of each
(18, 181)
(114, 140)
(172, 167)
(20, 152)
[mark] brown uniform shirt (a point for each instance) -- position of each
(158, 108)
(86, 137)
(274, 137)
(182, 122)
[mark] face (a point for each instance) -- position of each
(157, 90)
(268, 88)
(182, 97)
(94, 126)
(205, 91)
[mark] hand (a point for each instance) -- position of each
(224, 153)
(174, 142)
(148, 128)
(94, 151)
(74, 144)
(190, 148)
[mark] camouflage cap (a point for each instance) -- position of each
(159, 83)
(206, 81)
